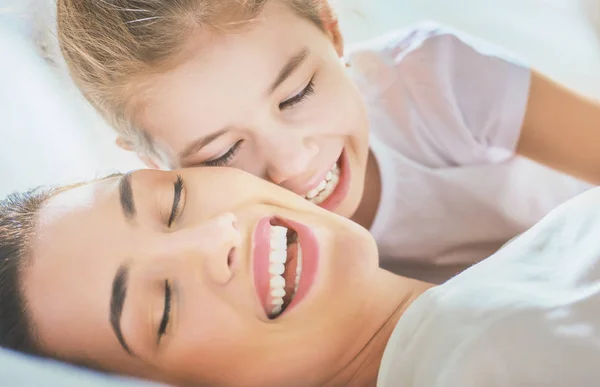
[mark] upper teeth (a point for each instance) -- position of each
(325, 187)
(277, 260)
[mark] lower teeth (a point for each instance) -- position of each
(325, 188)
(298, 270)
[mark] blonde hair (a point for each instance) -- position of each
(112, 46)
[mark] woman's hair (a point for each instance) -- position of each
(18, 218)
(112, 46)
(19, 214)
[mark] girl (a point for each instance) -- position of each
(212, 277)
(264, 86)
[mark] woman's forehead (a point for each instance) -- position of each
(76, 201)
(74, 228)
(67, 285)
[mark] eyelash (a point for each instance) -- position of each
(300, 97)
(164, 322)
(177, 190)
(226, 158)
(295, 100)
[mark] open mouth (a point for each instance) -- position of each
(285, 263)
(334, 186)
(285, 268)
(326, 187)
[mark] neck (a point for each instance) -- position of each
(362, 369)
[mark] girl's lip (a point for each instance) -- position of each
(341, 190)
(262, 248)
(317, 179)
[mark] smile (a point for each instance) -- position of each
(285, 268)
(325, 187)
(285, 264)
(333, 187)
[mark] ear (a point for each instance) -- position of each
(123, 144)
(332, 26)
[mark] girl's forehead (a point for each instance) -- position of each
(224, 79)
(276, 28)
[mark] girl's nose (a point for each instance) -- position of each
(290, 162)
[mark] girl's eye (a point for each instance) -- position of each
(301, 96)
(227, 158)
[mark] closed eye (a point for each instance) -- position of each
(177, 188)
(301, 96)
(226, 158)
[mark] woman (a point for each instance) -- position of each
(214, 277)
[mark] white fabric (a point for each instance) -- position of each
(48, 133)
(528, 316)
(446, 112)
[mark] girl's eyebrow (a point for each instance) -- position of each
(290, 67)
(200, 143)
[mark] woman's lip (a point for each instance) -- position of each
(310, 261)
(261, 251)
(341, 190)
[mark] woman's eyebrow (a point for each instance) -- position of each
(126, 196)
(117, 300)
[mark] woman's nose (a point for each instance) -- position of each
(211, 247)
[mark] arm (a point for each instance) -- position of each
(561, 130)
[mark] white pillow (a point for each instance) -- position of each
(48, 134)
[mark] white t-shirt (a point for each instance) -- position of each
(446, 112)
(529, 316)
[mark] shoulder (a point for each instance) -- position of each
(404, 39)
(425, 38)
(512, 350)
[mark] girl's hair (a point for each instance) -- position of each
(18, 218)
(112, 46)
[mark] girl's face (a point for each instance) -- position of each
(274, 100)
(190, 277)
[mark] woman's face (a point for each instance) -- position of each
(180, 277)
(272, 99)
